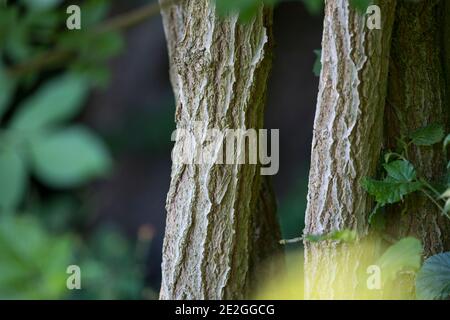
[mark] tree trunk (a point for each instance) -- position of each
(348, 137)
(416, 98)
(220, 222)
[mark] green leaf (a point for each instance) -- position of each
(388, 192)
(69, 158)
(13, 178)
(428, 135)
(433, 280)
(398, 183)
(57, 101)
(318, 63)
(400, 171)
(405, 255)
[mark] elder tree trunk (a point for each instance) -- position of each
(349, 128)
(347, 140)
(221, 222)
(417, 98)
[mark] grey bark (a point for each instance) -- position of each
(220, 218)
(347, 140)
(416, 98)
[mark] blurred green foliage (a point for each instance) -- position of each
(46, 73)
(247, 8)
(32, 262)
(112, 267)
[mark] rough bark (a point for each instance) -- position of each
(416, 98)
(348, 137)
(220, 218)
(446, 51)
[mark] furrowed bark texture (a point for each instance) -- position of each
(348, 136)
(416, 98)
(220, 222)
(446, 50)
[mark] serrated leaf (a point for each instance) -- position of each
(433, 280)
(13, 178)
(69, 158)
(400, 171)
(57, 101)
(388, 192)
(405, 255)
(428, 135)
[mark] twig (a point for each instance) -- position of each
(289, 241)
(134, 17)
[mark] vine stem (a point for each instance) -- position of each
(436, 203)
(429, 186)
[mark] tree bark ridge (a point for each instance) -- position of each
(219, 71)
(347, 140)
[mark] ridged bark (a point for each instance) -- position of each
(416, 98)
(347, 140)
(220, 218)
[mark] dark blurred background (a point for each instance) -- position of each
(112, 224)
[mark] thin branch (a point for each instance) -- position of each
(135, 17)
(122, 22)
